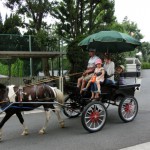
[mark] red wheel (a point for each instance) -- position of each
(94, 116)
(128, 109)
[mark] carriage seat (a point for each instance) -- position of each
(125, 84)
(122, 75)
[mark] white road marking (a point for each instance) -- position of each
(143, 146)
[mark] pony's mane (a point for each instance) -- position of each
(2, 86)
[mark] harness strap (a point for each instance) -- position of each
(36, 91)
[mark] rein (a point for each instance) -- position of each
(4, 102)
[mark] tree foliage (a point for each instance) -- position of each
(78, 17)
(34, 10)
(145, 49)
(1, 24)
(10, 26)
(131, 28)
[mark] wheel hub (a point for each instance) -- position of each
(128, 108)
(94, 116)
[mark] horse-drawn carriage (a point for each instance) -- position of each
(94, 112)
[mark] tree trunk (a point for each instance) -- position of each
(77, 18)
(81, 16)
(90, 16)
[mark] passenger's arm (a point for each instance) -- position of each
(102, 73)
(112, 70)
(91, 70)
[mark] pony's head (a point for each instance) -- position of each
(3, 93)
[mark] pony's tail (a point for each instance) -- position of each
(59, 96)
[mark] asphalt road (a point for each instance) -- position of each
(115, 134)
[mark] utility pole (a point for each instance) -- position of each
(30, 49)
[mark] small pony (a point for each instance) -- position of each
(33, 97)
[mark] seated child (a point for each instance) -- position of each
(96, 79)
(120, 79)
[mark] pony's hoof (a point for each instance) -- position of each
(25, 132)
(62, 124)
(42, 131)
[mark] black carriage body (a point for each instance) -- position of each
(112, 91)
(108, 91)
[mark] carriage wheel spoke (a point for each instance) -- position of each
(124, 114)
(95, 117)
(90, 124)
(100, 119)
(88, 121)
(87, 117)
(128, 109)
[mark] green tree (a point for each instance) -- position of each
(10, 26)
(79, 18)
(42, 41)
(1, 24)
(145, 49)
(16, 68)
(131, 28)
(35, 11)
(3, 69)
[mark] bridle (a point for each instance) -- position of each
(3, 102)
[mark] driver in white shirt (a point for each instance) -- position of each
(88, 73)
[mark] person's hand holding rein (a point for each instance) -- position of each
(88, 71)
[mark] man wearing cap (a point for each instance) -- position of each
(87, 74)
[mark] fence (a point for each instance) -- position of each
(20, 80)
(52, 81)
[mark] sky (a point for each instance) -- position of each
(137, 11)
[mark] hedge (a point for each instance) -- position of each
(145, 65)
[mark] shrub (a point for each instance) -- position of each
(145, 65)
